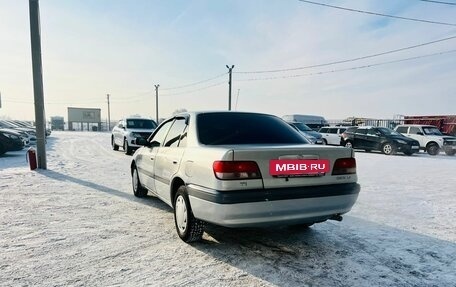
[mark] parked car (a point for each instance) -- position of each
(31, 132)
(239, 169)
(430, 138)
(311, 135)
(381, 139)
(25, 137)
(10, 141)
(331, 135)
(128, 129)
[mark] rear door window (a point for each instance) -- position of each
(159, 136)
(414, 130)
(175, 132)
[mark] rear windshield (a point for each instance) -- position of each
(245, 128)
(141, 124)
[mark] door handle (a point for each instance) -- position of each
(174, 161)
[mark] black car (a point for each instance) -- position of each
(378, 138)
(10, 141)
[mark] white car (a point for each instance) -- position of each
(242, 169)
(430, 138)
(128, 129)
(332, 135)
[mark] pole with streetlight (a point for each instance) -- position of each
(156, 102)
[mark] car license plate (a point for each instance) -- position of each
(415, 147)
(298, 167)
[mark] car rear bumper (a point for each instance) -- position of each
(272, 207)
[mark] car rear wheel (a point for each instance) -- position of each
(188, 227)
(113, 144)
(432, 149)
(126, 148)
(349, 144)
(388, 149)
(138, 189)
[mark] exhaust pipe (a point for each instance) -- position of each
(336, 217)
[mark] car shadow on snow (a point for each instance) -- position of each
(355, 252)
(148, 200)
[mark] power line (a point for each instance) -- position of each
(378, 14)
(193, 91)
(348, 60)
(347, 69)
(194, 84)
(438, 2)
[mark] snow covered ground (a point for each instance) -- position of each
(78, 224)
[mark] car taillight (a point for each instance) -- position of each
(344, 166)
(236, 170)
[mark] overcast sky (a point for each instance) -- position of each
(124, 48)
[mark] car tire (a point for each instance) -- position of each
(433, 149)
(188, 227)
(324, 142)
(138, 189)
(408, 153)
(113, 144)
(126, 148)
(388, 149)
(450, 152)
(348, 144)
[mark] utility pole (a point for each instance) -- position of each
(40, 122)
(109, 115)
(156, 102)
(229, 86)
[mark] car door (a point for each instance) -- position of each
(147, 157)
(333, 137)
(417, 133)
(373, 139)
(168, 157)
(117, 133)
(360, 138)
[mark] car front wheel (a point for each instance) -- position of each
(138, 189)
(433, 149)
(388, 149)
(450, 152)
(126, 148)
(113, 144)
(188, 227)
